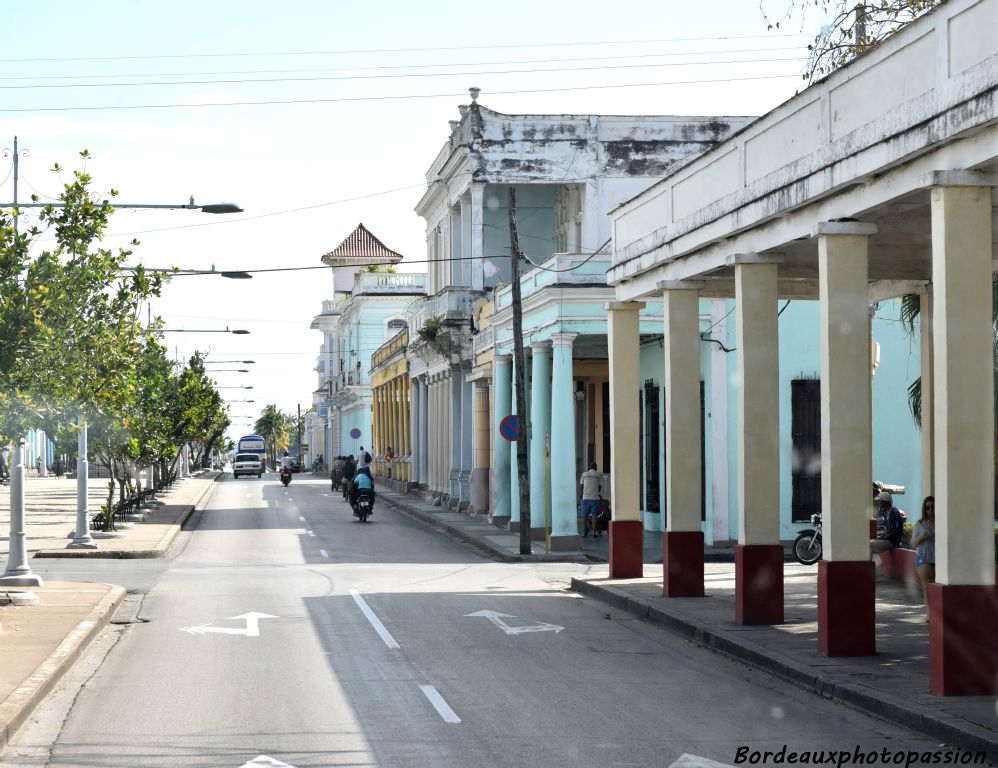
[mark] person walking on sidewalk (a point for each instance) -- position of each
(923, 539)
(591, 482)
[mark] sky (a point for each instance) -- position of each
(316, 116)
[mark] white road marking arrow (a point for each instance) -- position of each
(252, 629)
(497, 619)
(264, 760)
(695, 761)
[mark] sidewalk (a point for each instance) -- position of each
(893, 685)
(39, 643)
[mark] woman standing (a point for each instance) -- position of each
(923, 539)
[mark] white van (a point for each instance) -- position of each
(247, 464)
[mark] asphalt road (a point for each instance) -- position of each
(280, 626)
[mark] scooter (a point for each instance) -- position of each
(286, 476)
(363, 504)
(807, 545)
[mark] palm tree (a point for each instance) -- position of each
(274, 427)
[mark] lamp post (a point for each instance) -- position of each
(237, 331)
(18, 572)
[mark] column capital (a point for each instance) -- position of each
(958, 179)
(499, 360)
(540, 347)
(563, 339)
(844, 228)
(681, 285)
(737, 259)
(624, 306)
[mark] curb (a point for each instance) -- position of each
(161, 548)
(851, 695)
(23, 700)
(481, 542)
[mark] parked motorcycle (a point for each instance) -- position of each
(807, 545)
(286, 476)
(363, 504)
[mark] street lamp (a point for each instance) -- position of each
(237, 331)
(229, 370)
(249, 387)
(225, 362)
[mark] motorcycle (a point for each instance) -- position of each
(807, 545)
(363, 504)
(286, 476)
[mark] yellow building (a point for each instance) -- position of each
(391, 411)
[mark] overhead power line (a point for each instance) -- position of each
(385, 67)
(343, 78)
(396, 97)
(147, 57)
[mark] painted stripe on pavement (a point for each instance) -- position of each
(383, 633)
(311, 533)
(324, 553)
(442, 707)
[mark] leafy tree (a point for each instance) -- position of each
(198, 412)
(69, 327)
(852, 28)
(275, 427)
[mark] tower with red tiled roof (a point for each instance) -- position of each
(358, 250)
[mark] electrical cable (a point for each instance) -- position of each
(403, 50)
(216, 73)
(343, 78)
(397, 97)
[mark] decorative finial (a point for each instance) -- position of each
(463, 109)
(453, 124)
(474, 93)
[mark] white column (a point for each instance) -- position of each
(564, 525)
(43, 452)
(928, 392)
(18, 572)
(624, 351)
(846, 499)
(81, 536)
(758, 403)
(964, 400)
(477, 237)
(681, 310)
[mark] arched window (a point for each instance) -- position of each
(394, 327)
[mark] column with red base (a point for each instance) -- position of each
(626, 529)
(963, 605)
(682, 544)
(846, 599)
(759, 555)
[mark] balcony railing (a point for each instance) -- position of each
(389, 282)
(390, 348)
(482, 341)
(560, 269)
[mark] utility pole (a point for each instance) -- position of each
(519, 377)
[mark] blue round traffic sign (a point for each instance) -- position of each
(355, 433)
(509, 428)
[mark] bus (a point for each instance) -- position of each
(253, 444)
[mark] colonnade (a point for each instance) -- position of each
(962, 605)
(551, 442)
(392, 413)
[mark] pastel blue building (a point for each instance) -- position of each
(369, 306)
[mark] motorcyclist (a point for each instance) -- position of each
(362, 481)
(285, 465)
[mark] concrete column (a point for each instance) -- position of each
(682, 542)
(18, 572)
(482, 432)
(846, 598)
(502, 379)
(540, 429)
(81, 536)
(423, 431)
(626, 529)
(514, 477)
(564, 514)
(962, 603)
(759, 554)
(928, 431)
(454, 432)
(477, 236)
(467, 437)
(43, 451)
(433, 435)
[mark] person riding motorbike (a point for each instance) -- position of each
(362, 481)
(286, 467)
(349, 470)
